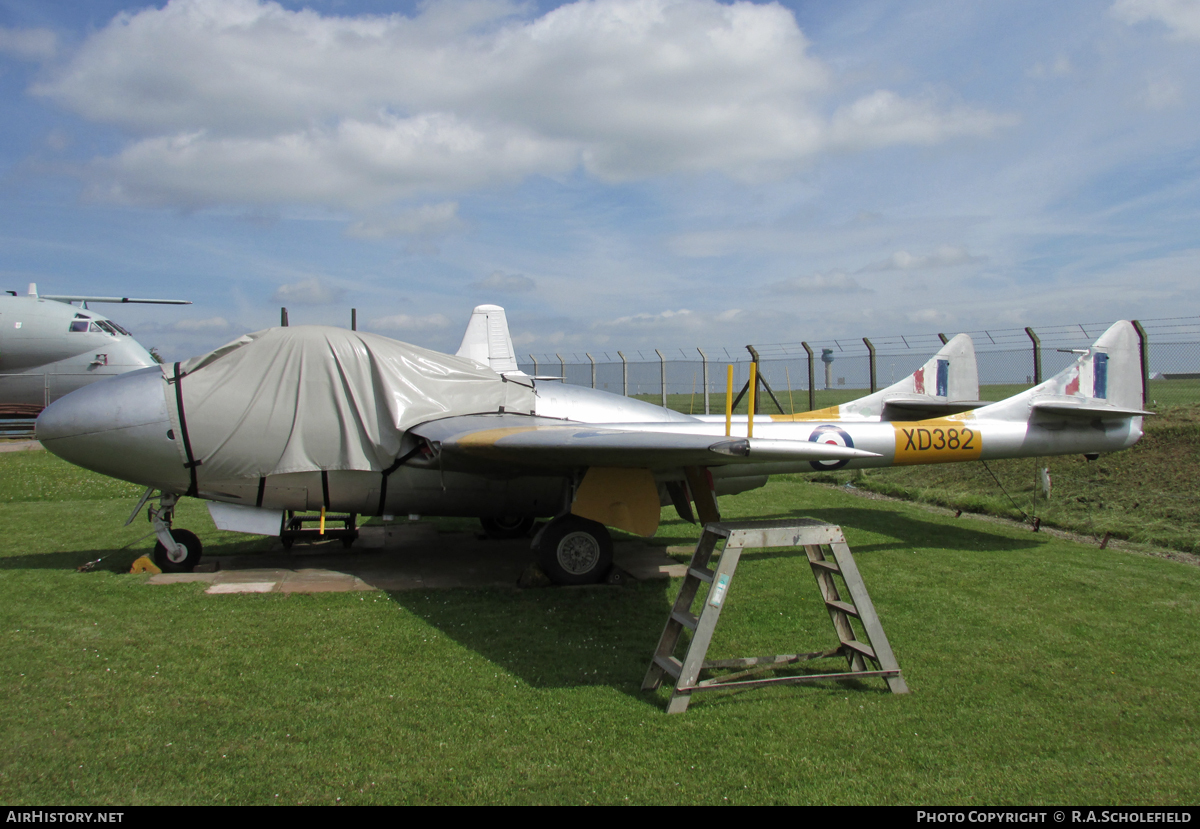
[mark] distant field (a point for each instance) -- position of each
(1043, 672)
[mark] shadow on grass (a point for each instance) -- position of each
(555, 637)
(117, 559)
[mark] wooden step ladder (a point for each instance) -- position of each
(816, 538)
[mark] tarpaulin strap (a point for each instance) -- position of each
(506, 379)
(325, 488)
(192, 463)
(399, 461)
(262, 490)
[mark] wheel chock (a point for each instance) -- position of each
(145, 565)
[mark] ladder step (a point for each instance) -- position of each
(825, 565)
(670, 664)
(689, 620)
(864, 649)
(845, 607)
(703, 575)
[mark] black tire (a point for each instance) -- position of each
(574, 550)
(507, 527)
(287, 541)
(194, 548)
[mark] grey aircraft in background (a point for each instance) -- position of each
(49, 347)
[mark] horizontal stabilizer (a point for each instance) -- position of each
(119, 299)
(906, 408)
(1074, 409)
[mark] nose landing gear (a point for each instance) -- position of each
(177, 551)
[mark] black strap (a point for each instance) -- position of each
(262, 489)
(396, 465)
(325, 488)
(192, 463)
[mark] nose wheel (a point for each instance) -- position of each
(185, 556)
(177, 551)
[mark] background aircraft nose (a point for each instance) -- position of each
(117, 427)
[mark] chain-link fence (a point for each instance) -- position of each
(807, 375)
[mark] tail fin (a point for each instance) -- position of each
(1105, 381)
(487, 340)
(947, 384)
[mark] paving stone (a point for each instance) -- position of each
(243, 587)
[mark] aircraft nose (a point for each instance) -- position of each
(118, 427)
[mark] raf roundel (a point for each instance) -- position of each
(833, 435)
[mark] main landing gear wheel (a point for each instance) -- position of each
(506, 527)
(574, 550)
(170, 563)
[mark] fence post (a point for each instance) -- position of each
(353, 319)
(812, 390)
(1144, 350)
(589, 356)
(871, 352)
(1037, 356)
(562, 369)
(624, 374)
(942, 337)
(704, 362)
(662, 375)
(283, 317)
(535, 365)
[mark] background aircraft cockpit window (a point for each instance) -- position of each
(79, 325)
(106, 326)
(120, 330)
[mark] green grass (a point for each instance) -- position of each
(1146, 494)
(1042, 672)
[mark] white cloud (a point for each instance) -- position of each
(405, 322)
(311, 291)
(832, 283)
(425, 221)
(244, 101)
(210, 324)
(510, 283)
(943, 257)
(1182, 17)
(28, 44)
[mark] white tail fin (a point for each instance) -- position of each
(948, 383)
(1106, 380)
(487, 341)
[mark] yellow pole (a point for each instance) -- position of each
(729, 400)
(322, 532)
(753, 388)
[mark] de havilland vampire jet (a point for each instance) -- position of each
(49, 348)
(311, 417)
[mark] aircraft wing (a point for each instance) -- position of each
(471, 441)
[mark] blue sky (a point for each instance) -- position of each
(616, 173)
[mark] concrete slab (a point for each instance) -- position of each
(409, 557)
(243, 587)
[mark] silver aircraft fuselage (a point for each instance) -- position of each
(121, 427)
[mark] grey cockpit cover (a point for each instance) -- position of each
(310, 398)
